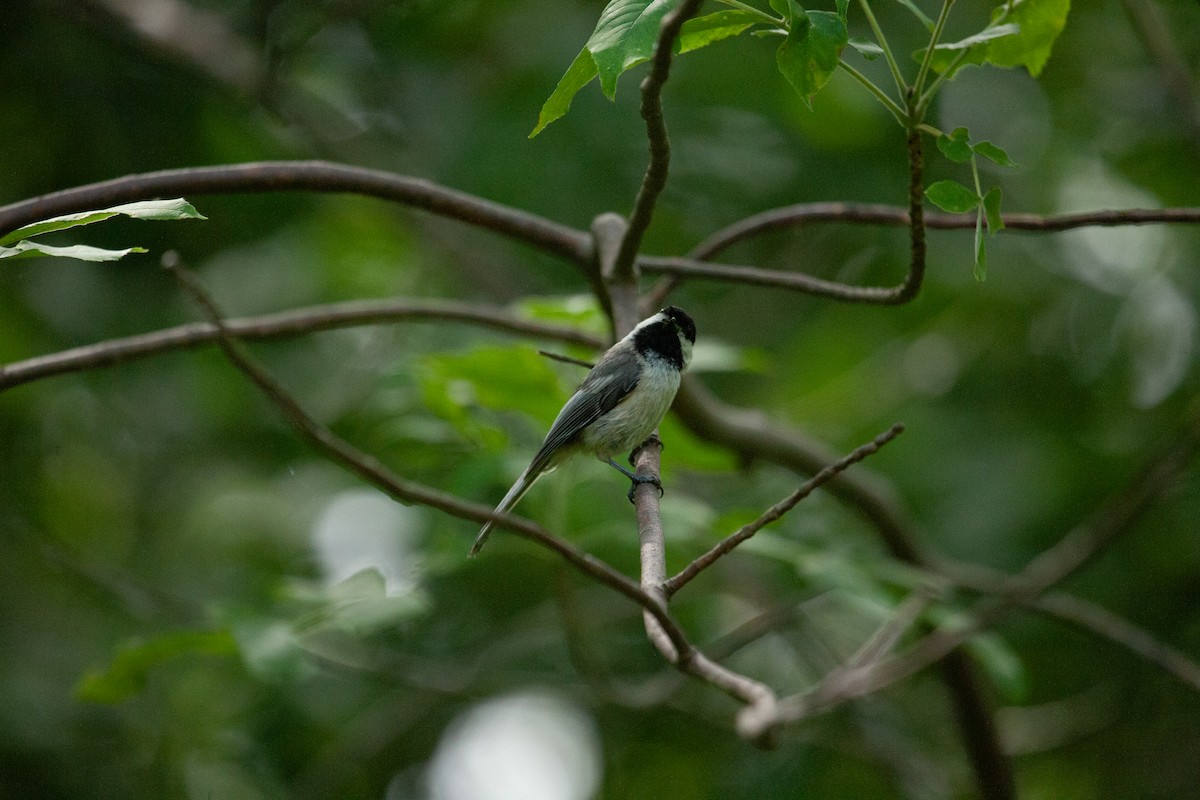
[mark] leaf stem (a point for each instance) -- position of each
(938, 28)
(880, 95)
(749, 9)
(887, 51)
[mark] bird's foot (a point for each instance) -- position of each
(638, 480)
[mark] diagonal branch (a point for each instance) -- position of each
(758, 700)
(405, 491)
(752, 436)
(1117, 629)
(1050, 568)
(776, 511)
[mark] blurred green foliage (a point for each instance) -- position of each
(196, 605)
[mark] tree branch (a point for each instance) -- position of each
(308, 176)
(655, 178)
(803, 214)
(374, 472)
(1102, 622)
(758, 700)
(752, 436)
(1041, 574)
(285, 324)
(776, 511)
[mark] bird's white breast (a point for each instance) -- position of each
(634, 419)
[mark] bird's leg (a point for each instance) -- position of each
(637, 480)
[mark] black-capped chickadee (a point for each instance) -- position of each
(618, 405)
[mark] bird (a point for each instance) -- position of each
(617, 407)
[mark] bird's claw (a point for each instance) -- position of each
(638, 480)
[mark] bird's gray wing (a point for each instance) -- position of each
(609, 382)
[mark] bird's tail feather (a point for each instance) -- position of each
(513, 497)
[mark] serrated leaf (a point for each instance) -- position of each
(173, 209)
(1040, 23)
(993, 153)
(809, 55)
(126, 674)
(991, 210)
(952, 196)
(955, 145)
(81, 252)
(624, 36)
(866, 48)
(703, 31)
(578, 75)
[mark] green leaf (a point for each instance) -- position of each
(993, 153)
(975, 47)
(1040, 23)
(991, 210)
(809, 55)
(454, 385)
(952, 196)
(866, 48)
(625, 36)
(127, 673)
(980, 249)
(843, 9)
(956, 145)
(986, 35)
(177, 208)
(703, 31)
(578, 75)
(82, 252)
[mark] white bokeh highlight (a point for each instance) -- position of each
(528, 746)
(361, 529)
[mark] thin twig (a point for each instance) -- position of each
(752, 436)
(776, 511)
(884, 640)
(578, 362)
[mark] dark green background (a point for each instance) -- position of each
(169, 627)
